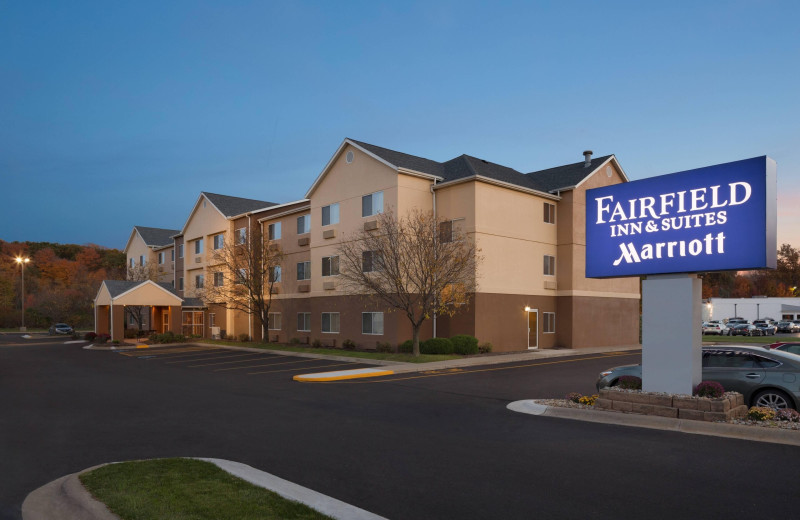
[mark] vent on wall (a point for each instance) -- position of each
(197, 260)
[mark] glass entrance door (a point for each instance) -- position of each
(533, 328)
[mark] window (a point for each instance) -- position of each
(372, 323)
(172, 252)
(330, 322)
(198, 246)
(549, 322)
(275, 274)
(274, 321)
(180, 250)
(133, 262)
(371, 261)
(372, 204)
(219, 241)
(304, 270)
(330, 214)
(172, 283)
(199, 281)
(303, 322)
(330, 265)
(451, 230)
(219, 279)
(131, 319)
(549, 265)
(160, 258)
(549, 213)
(275, 231)
(180, 283)
(241, 276)
(193, 323)
(212, 319)
(241, 236)
(728, 359)
(141, 260)
(303, 224)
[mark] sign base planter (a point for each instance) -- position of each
(730, 406)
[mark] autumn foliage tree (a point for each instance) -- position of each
(242, 276)
(417, 265)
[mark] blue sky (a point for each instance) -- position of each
(119, 114)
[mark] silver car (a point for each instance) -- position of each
(764, 377)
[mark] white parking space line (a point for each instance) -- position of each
(222, 355)
(273, 364)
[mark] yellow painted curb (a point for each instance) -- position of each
(142, 346)
(308, 379)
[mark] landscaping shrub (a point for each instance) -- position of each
(465, 344)
(243, 337)
(349, 344)
(787, 414)
(760, 413)
(573, 396)
(316, 343)
(709, 389)
(102, 338)
(588, 400)
(484, 348)
(384, 346)
(436, 346)
(406, 347)
(90, 336)
(116, 342)
(629, 383)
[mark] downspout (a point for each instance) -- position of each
(111, 325)
(433, 193)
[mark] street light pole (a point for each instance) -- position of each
(22, 261)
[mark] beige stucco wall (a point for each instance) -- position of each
(148, 294)
(103, 296)
(204, 222)
(136, 249)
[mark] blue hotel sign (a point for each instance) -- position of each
(716, 218)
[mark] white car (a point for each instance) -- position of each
(714, 328)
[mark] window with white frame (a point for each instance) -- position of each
(199, 281)
(198, 246)
(219, 279)
(180, 250)
(549, 319)
(275, 231)
(549, 213)
(180, 283)
(303, 322)
(330, 322)
(131, 319)
(330, 265)
(219, 241)
(372, 323)
(549, 265)
(372, 204)
(241, 236)
(133, 262)
(330, 214)
(275, 274)
(142, 260)
(303, 224)
(303, 271)
(161, 258)
(371, 261)
(274, 321)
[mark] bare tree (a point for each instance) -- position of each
(418, 265)
(242, 276)
(140, 273)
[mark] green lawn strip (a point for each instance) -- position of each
(186, 489)
(405, 358)
(16, 329)
(713, 338)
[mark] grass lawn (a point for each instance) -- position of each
(404, 358)
(16, 329)
(763, 340)
(184, 489)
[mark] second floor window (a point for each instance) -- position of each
(161, 258)
(330, 265)
(549, 213)
(180, 283)
(180, 250)
(219, 279)
(241, 236)
(142, 260)
(304, 270)
(241, 276)
(549, 265)
(372, 204)
(330, 214)
(199, 281)
(370, 261)
(219, 241)
(275, 274)
(275, 231)
(198, 246)
(133, 262)
(172, 252)
(303, 224)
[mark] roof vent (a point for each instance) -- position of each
(588, 156)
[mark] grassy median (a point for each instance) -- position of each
(760, 340)
(186, 489)
(388, 356)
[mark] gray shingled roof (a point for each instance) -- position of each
(156, 237)
(117, 287)
(193, 302)
(552, 179)
(232, 206)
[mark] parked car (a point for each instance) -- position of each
(785, 326)
(792, 348)
(714, 328)
(765, 377)
(60, 328)
(744, 329)
(796, 326)
(767, 328)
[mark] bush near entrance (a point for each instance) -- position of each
(437, 346)
(465, 344)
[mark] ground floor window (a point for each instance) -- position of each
(212, 319)
(330, 322)
(303, 322)
(274, 321)
(372, 323)
(549, 322)
(193, 323)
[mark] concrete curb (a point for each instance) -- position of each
(342, 375)
(733, 431)
(66, 499)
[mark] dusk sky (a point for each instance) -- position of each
(115, 114)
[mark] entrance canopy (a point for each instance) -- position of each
(123, 292)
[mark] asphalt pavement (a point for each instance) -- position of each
(414, 446)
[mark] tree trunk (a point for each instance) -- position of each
(416, 339)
